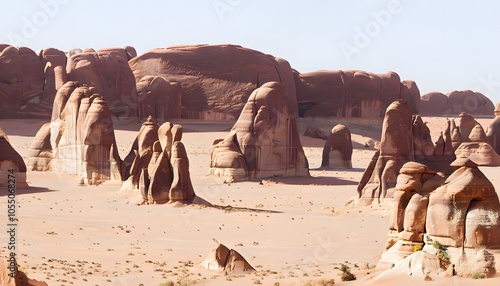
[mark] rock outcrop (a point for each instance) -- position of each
(108, 72)
(405, 137)
(454, 103)
(315, 132)
(337, 152)
(11, 163)
(217, 80)
(79, 139)
(159, 166)
(493, 132)
(21, 80)
(264, 142)
(352, 93)
(460, 213)
(222, 259)
(159, 97)
(11, 275)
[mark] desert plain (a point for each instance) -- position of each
(293, 231)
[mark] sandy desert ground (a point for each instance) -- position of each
(294, 231)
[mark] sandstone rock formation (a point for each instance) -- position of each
(9, 268)
(21, 79)
(54, 68)
(454, 103)
(217, 80)
(405, 137)
(108, 72)
(352, 93)
(396, 148)
(159, 170)
(315, 132)
(11, 160)
(264, 142)
(461, 213)
(493, 132)
(159, 97)
(79, 139)
(337, 152)
(408, 215)
(222, 259)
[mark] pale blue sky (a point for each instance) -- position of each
(442, 45)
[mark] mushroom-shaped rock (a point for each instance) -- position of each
(337, 151)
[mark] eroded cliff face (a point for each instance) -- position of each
(216, 80)
(352, 93)
(454, 103)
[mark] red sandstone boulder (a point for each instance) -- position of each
(216, 80)
(223, 259)
(337, 151)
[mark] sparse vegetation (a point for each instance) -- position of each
(478, 276)
(417, 248)
(326, 282)
(168, 283)
(346, 274)
(441, 254)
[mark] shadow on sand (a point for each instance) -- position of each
(26, 191)
(316, 180)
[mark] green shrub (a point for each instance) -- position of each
(478, 276)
